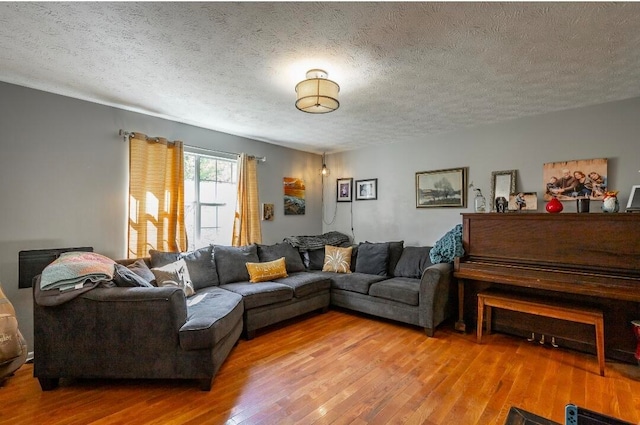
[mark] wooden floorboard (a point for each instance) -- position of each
(344, 368)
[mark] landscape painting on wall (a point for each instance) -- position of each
(585, 178)
(294, 203)
(441, 188)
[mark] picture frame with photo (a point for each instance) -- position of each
(344, 189)
(575, 179)
(523, 201)
(442, 188)
(267, 212)
(366, 190)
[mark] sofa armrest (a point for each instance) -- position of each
(119, 332)
(435, 291)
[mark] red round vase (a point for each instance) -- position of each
(554, 206)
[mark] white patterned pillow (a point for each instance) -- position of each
(174, 274)
(337, 259)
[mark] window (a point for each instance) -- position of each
(209, 199)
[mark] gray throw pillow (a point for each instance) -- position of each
(292, 258)
(413, 261)
(373, 258)
(127, 278)
(202, 268)
(200, 264)
(140, 268)
(162, 258)
(231, 262)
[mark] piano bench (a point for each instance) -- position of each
(589, 316)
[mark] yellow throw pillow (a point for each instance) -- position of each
(262, 272)
(337, 259)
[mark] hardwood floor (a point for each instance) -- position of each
(342, 368)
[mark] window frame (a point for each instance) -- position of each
(198, 205)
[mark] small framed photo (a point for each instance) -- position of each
(523, 201)
(344, 188)
(267, 212)
(633, 205)
(366, 189)
(442, 188)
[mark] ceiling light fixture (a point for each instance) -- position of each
(317, 94)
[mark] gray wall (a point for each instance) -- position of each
(604, 131)
(64, 174)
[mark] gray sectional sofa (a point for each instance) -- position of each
(137, 330)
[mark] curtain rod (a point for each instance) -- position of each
(127, 134)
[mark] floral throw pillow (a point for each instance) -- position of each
(337, 259)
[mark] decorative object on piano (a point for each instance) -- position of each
(479, 202)
(523, 201)
(503, 183)
(636, 332)
(501, 204)
(568, 180)
(634, 200)
(582, 205)
(554, 206)
(610, 202)
(442, 188)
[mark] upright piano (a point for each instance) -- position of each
(594, 255)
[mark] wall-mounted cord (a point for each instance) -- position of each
(335, 209)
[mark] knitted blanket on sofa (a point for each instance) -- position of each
(310, 243)
(76, 268)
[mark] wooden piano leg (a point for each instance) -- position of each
(460, 325)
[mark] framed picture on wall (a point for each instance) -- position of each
(366, 189)
(344, 188)
(267, 212)
(442, 188)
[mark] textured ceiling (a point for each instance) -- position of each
(405, 70)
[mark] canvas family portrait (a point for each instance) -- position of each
(586, 178)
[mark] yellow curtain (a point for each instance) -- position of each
(246, 225)
(156, 196)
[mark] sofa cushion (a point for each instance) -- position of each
(291, 255)
(125, 277)
(199, 262)
(337, 259)
(413, 261)
(211, 315)
(373, 258)
(231, 262)
(262, 272)
(354, 282)
(259, 294)
(400, 289)
(304, 283)
(174, 274)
